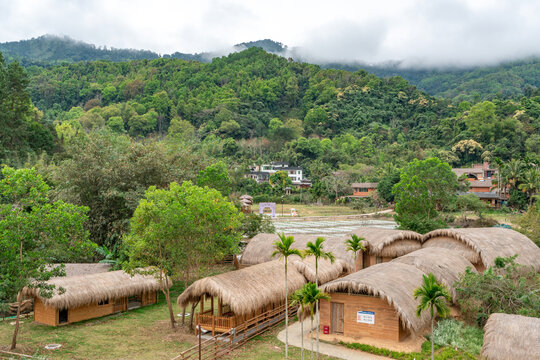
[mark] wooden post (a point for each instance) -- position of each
(200, 334)
(212, 304)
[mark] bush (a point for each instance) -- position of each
(456, 334)
(254, 224)
(446, 353)
(508, 288)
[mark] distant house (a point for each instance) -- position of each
(262, 173)
(486, 191)
(476, 172)
(363, 189)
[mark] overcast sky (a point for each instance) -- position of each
(428, 32)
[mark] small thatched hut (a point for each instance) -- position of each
(83, 297)
(446, 265)
(241, 294)
(261, 247)
(383, 245)
(481, 246)
(511, 337)
(376, 302)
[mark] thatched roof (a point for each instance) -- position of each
(84, 269)
(248, 289)
(327, 271)
(393, 282)
(511, 337)
(260, 248)
(369, 185)
(445, 264)
(389, 242)
(92, 288)
(486, 244)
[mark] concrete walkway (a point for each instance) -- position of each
(337, 351)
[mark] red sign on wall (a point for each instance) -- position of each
(326, 329)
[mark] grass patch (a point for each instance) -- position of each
(304, 210)
(456, 334)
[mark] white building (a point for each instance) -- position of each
(262, 173)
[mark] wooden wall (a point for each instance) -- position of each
(45, 314)
(370, 260)
(387, 324)
(49, 315)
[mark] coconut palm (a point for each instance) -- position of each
(512, 171)
(355, 244)
(312, 296)
(316, 250)
(433, 296)
(530, 183)
(297, 298)
(284, 250)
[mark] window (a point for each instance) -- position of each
(378, 260)
(103, 302)
(363, 189)
(63, 316)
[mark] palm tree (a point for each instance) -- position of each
(530, 183)
(312, 296)
(284, 250)
(433, 296)
(512, 172)
(297, 298)
(316, 250)
(355, 244)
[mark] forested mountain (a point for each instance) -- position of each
(508, 80)
(302, 112)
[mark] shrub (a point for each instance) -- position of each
(456, 334)
(254, 224)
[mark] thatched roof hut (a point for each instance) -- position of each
(445, 264)
(246, 290)
(511, 337)
(393, 282)
(484, 245)
(389, 242)
(92, 288)
(260, 248)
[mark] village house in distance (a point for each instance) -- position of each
(262, 173)
(481, 183)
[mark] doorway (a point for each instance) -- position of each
(63, 316)
(337, 318)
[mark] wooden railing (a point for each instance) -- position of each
(223, 344)
(212, 323)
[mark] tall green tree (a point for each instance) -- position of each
(35, 233)
(284, 249)
(355, 244)
(530, 183)
(425, 186)
(216, 176)
(177, 231)
(433, 297)
(316, 250)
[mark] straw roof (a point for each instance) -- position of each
(84, 269)
(389, 242)
(393, 282)
(260, 248)
(92, 288)
(248, 289)
(446, 265)
(486, 244)
(327, 271)
(511, 337)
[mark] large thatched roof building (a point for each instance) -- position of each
(383, 245)
(481, 246)
(376, 302)
(511, 337)
(82, 297)
(446, 265)
(261, 247)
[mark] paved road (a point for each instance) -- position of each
(338, 351)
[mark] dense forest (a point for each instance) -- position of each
(507, 80)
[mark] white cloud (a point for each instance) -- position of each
(417, 32)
